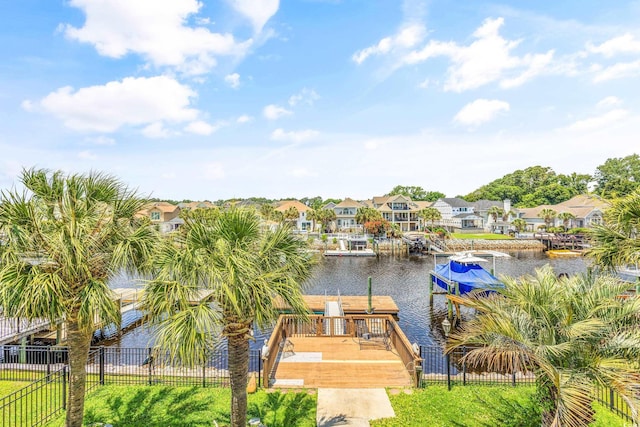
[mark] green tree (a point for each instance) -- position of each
(566, 218)
(618, 177)
(573, 333)
(495, 212)
(520, 224)
(245, 268)
(367, 214)
(577, 183)
(199, 214)
(430, 214)
(267, 211)
(64, 238)
(616, 242)
(416, 193)
(547, 215)
(291, 215)
(325, 217)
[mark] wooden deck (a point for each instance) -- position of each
(338, 362)
(351, 304)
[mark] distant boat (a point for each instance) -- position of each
(465, 271)
(563, 253)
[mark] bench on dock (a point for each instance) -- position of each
(374, 332)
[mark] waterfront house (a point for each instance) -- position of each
(587, 210)
(400, 210)
(458, 214)
(500, 224)
(346, 215)
(301, 223)
(163, 214)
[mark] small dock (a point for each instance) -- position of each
(351, 304)
(346, 252)
(357, 350)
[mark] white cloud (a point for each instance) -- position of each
(599, 122)
(156, 131)
(27, 105)
(214, 171)
(244, 119)
(233, 80)
(132, 101)
(87, 155)
(155, 29)
(274, 112)
(302, 172)
(257, 11)
(624, 44)
(616, 71)
(407, 37)
(480, 111)
(101, 140)
(609, 101)
(201, 127)
(305, 96)
(487, 59)
(294, 136)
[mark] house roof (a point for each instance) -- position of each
(456, 202)
(349, 203)
(283, 206)
(420, 204)
(580, 206)
(483, 205)
(162, 207)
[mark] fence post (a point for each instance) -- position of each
(259, 368)
(48, 360)
(464, 366)
(448, 361)
(204, 373)
(64, 387)
(101, 364)
(150, 359)
(611, 405)
(513, 373)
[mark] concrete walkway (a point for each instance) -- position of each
(352, 406)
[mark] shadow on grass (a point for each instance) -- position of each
(506, 413)
(154, 407)
(283, 409)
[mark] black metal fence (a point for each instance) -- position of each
(37, 403)
(612, 400)
(438, 368)
(46, 368)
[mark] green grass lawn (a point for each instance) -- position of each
(8, 387)
(129, 406)
(473, 406)
(485, 236)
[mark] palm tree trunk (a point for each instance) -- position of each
(238, 348)
(78, 342)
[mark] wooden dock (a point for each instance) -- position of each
(351, 304)
(338, 362)
(351, 351)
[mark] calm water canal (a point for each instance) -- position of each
(403, 278)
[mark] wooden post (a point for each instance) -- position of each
(430, 290)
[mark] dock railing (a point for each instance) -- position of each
(353, 325)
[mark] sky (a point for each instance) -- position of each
(210, 100)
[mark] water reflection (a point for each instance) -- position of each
(403, 278)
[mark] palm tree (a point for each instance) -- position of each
(574, 333)
(65, 238)
(566, 218)
(245, 268)
(617, 241)
(547, 215)
(495, 212)
(430, 214)
(367, 214)
(291, 215)
(325, 217)
(313, 215)
(520, 224)
(267, 211)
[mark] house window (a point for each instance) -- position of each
(155, 216)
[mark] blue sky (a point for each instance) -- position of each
(337, 98)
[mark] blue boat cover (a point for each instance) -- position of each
(469, 276)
